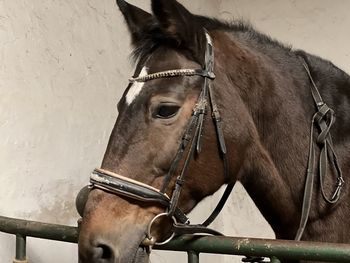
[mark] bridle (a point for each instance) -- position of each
(190, 144)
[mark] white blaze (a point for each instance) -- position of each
(136, 87)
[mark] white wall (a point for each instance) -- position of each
(318, 26)
(63, 66)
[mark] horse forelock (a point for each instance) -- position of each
(152, 37)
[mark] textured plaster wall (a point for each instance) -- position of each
(317, 26)
(63, 66)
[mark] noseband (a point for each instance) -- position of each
(191, 139)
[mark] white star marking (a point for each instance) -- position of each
(136, 87)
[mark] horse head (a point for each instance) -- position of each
(163, 108)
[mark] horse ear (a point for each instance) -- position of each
(176, 21)
(136, 19)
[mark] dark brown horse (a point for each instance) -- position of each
(263, 93)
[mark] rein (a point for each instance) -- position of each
(324, 119)
(191, 139)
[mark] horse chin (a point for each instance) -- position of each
(141, 256)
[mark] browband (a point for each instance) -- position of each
(174, 73)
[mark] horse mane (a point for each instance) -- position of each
(153, 37)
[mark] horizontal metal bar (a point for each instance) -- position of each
(282, 249)
(37, 229)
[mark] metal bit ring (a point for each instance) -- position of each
(150, 240)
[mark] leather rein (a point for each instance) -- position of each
(191, 144)
(323, 119)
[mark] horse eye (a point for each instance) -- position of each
(166, 111)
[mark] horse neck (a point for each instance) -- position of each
(275, 131)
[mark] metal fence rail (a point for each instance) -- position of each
(193, 245)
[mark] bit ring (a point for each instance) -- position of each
(150, 240)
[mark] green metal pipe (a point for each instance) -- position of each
(21, 248)
(39, 230)
(282, 249)
(192, 257)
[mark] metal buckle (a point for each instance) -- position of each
(340, 181)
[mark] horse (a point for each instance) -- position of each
(272, 111)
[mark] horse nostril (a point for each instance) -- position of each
(100, 253)
(97, 248)
(106, 252)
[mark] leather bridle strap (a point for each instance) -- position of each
(174, 73)
(127, 187)
(124, 186)
(324, 118)
(195, 127)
